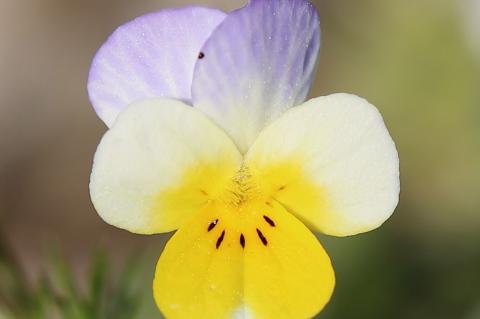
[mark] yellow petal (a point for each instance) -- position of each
(160, 162)
(331, 162)
(252, 260)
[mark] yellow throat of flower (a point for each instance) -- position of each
(241, 188)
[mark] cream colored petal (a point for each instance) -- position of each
(332, 163)
(161, 161)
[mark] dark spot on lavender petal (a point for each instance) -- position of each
(201, 55)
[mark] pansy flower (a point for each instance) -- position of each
(210, 135)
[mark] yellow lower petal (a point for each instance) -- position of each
(248, 260)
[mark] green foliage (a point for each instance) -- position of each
(58, 294)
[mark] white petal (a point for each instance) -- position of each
(331, 162)
(160, 162)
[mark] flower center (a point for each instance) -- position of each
(241, 189)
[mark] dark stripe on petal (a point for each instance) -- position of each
(269, 220)
(220, 239)
(212, 225)
(262, 238)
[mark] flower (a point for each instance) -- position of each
(209, 134)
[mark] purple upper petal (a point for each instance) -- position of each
(258, 63)
(151, 56)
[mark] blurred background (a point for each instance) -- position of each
(417, 61)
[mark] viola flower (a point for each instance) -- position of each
(210, 135)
